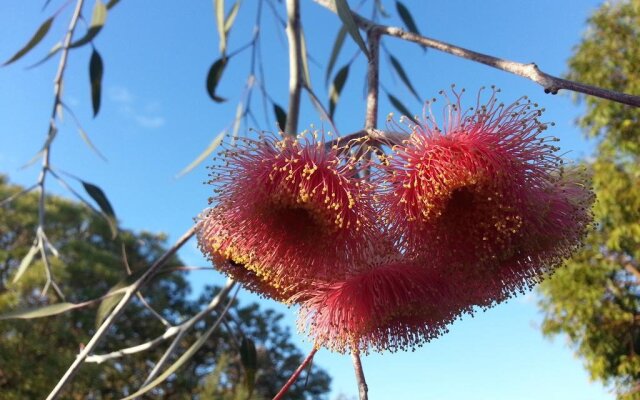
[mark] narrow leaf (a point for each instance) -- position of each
(37, 37)
(231, 17)
(101, 199)
(56, 48)
(220, 22)
(213, 78)
(381, 9)
(89, 143)
(401, 108)
(249, 359)
(337, 46)
(406, 17)
(336, 88)
(26, 261)
(112, 3)
(344, 12)
(304, 57)
(212, 146)
(281, 116)
(96, 70)
(98, 17)
(107, 305)
(46, 311)
(404, 77)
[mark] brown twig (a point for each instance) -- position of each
(363, 389)
(296, 374)
(371, 118)
(550, 83)
(295, 66)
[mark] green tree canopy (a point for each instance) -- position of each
(595, 299)
(34, 353)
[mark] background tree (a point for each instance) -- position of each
(596, 299)
(33, 353)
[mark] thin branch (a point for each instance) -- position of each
(17, 194)
(550, 83)
(295, 374)
(371, 118)
(46, 151)
(110, 319)
(215, 302)
(156, 314)
(362, 383)
(295, 66)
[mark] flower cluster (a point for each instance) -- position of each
(461, 214)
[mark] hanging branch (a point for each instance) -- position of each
(110, 319)
(550, 83)
(295, 66)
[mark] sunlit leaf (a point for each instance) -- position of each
(37, 37)
(26, 261)
(344, 12)
(108, 304)
(401, 108)
(336, 88)
(98, 18)
(96, 70)
(404, 77)
(231, 17)
(105, 206)
(220, 23)
(56, 48)
(39, 312)
(212, 146)
(213, 78)
(281, 116)
(249, 359)
(337, 46)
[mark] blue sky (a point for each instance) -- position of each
(156, 118)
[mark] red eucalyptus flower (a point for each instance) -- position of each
(289, 211)
(485, 197)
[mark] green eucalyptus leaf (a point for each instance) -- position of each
(98, 18)
(212, 146)
(96, 70)
(401, 108)
(344, 12)
(40, 312)
(37, 37)
(26, 261)
(249, 359)
(404, 77)
(336, 88)
(281, 116)
(337, 46)
(105, 206)
(213, 78)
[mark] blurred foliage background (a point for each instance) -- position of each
(595, 299)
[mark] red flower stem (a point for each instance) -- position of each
(295, 375)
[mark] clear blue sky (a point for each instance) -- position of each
(156, 118)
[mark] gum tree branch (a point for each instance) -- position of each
(110, 319)
(295, 66)
(373, 67)
(550, 83)
(46, 151)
